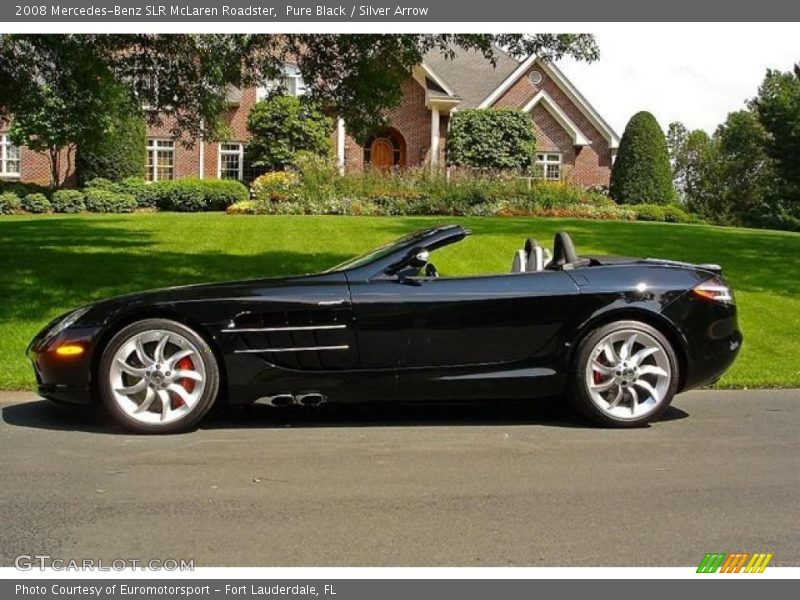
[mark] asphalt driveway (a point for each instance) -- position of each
(486, 485)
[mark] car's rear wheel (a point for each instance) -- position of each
(158, 376)
(625, 374)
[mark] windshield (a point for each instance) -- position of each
(383, 251)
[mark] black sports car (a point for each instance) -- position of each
(619, 336)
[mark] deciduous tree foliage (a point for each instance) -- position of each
(282, 126)
(117, 154)
(492, 138)
(642, 171)
(187, 76)
(778, 108)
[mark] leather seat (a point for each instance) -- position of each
(519, 263)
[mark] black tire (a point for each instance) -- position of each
(579, 392)
(195, 414)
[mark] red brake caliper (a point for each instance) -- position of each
(184, 364)
(597, 376)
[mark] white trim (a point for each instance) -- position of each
(340, 139)
(581, 102)
(152, 157)
(437, 78)
(508, 82)
(434, 136)
(545, 162)
(201, 168)
(543, 98)
(561, 80)
(5, 143)
(239, 153)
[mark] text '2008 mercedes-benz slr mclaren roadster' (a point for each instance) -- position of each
(618, 336)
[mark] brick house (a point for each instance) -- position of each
(574, 143)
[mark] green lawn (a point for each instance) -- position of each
(53, 263)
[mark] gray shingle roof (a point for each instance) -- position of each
(470, 75)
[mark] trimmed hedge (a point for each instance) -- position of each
(36, 203)
(107, 201)
(9, 203)
(189, 194)
(669, 213)
(68, 201)
(192, 194)
(23, 189)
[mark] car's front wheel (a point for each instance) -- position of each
(625, 374)
(158, 376)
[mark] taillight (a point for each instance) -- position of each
(714, 289)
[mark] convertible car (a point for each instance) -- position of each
(618, 336)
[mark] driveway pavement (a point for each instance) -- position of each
(485, 484)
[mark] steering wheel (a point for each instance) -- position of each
(430, 270)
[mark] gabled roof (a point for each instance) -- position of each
(469, 76)
(566, 86)
(472, 79)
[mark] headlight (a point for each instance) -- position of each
(67, 321)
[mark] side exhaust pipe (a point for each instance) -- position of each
(278, 401)
(310, 399)
(284, 400)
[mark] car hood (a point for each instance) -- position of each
(102, 310)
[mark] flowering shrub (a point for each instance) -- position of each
(277, 186)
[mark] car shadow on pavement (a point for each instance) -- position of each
(43, 414)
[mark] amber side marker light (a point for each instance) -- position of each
(69, 350)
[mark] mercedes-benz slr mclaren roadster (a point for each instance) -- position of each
(618, 336)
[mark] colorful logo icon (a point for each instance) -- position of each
(735, 562)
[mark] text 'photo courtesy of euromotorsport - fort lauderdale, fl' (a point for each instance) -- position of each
(422, 299)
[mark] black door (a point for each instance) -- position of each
(459, 321)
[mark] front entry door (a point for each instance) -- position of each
(382, 154)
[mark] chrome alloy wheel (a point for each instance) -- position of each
(628, 374)
(157, 376)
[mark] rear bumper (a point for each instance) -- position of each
(711, 335)
(709, 369)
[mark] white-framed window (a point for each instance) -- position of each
(230, 162)
(9, 157)
(548, 166)
(160, 159)
(291, 81)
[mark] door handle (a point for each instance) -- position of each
(330, 302)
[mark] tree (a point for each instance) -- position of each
(58, 97)
(778, 109)
(492, 138)
(725, 178)
(282, 126)
(642, 171)
(119, 153)
(744, 172)
(186, 77)
(692, 154)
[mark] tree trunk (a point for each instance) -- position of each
(55, 167)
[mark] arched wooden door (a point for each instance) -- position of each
(385, 151)
(381, 153)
